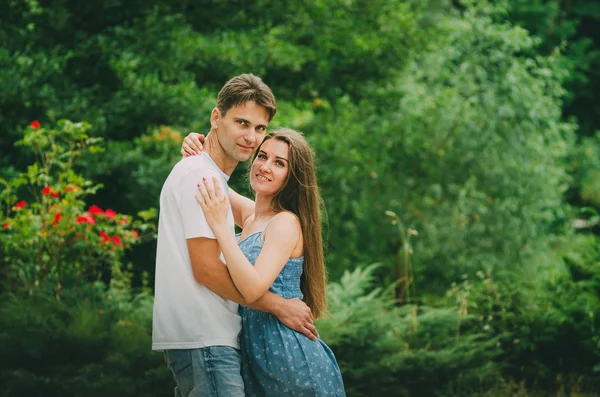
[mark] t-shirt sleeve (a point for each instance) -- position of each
(193, 219)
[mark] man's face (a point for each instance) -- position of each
(241, 130)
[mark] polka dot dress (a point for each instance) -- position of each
(276, 360)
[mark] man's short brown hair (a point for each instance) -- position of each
(244, 88)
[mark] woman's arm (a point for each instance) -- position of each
(252, 281)
(192, 144)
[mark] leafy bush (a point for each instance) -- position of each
(385, 350)
(47, 239)
(546, 324)
(92, 342)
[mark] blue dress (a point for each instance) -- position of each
(276, 360)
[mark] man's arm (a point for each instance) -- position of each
(210, 271)
(293, 313)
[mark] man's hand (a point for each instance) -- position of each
(296, 315)
(192, 144)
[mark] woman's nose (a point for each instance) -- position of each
(265, 167)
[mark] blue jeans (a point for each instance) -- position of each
(213, 371)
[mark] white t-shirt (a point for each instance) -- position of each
(188, 315)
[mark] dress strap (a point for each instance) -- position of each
(247, 219)
(268, 223)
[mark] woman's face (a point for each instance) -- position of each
(270, 168)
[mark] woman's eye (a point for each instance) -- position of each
(262, 156)
(280, 163)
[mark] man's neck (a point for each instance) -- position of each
(218, 155)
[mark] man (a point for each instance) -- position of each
(196, 319)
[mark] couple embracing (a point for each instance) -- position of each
(234, 314)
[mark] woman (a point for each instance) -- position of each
(280, 249)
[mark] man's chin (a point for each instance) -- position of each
(243, 157)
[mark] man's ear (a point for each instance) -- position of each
(215, 117)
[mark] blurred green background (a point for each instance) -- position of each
(458, 155)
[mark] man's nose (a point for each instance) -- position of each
(250, 137)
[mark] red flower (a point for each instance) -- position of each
(85, 219)
(110, 213)
(21, 204)
(135, 234)
(57, 218)
(104, 236)
(124, 221)
(6, 225)
(54, 194)
(35, 124)
(94, 209)
(117, 241)
(68, 189)
(46, 191)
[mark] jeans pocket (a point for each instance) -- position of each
(178, 360)
(180, 364)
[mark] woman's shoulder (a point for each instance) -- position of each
(284, 221)
(286, 218)
(284, 229)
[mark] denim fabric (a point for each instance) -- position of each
(213, 371)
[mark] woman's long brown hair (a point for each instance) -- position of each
(300, 195)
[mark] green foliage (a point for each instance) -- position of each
(487, 147)
(143, 163)
(49, 240)
(547, 316)
(572, 28)
(585, 165)
(91, 342)
(466, 146)
(386, 350)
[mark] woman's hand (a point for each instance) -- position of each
(192, 144)
(214, 203)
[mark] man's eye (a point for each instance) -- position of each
(242, 122)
